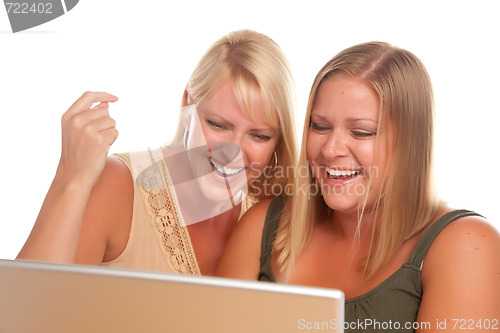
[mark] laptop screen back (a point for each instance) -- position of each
(45, 297)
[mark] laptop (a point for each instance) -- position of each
(47, 297)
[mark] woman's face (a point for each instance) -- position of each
(341, 143)
(239, 148)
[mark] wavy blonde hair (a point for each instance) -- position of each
(407, 200)
(251, 60)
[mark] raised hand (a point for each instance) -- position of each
(87, 134)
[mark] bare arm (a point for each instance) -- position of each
(241, 257)
(461, 278)
(87, 134)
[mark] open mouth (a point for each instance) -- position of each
(224, 171)
(342, 175)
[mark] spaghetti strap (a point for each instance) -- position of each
(423, 245)
(268, 235)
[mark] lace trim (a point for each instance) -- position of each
(172, 231)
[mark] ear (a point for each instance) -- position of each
(185, 98)
(186, 115)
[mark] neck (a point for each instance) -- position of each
(209, 238)
(346, 225)
(226, 220)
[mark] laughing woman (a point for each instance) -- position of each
(365, 217)
(171, 209)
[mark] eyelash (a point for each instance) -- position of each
(215, 125)
(357, 133)
(262, 137)
(218, 127)
(363, 134)
(319, 128)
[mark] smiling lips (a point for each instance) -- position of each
(224, 171)
(341, 174)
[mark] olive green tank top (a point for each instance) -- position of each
(392, 306)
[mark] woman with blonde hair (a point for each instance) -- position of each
(365, 217)
(171, 209)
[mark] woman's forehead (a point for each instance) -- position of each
(231, 99)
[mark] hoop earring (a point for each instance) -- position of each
(275, 160)
(186, 137)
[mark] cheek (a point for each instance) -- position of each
(313, 146)
(259, 154)
(210, 135)
(373, 159)
(365, 152)
(200, 135)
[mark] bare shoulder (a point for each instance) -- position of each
(254, 217)
(465, 237)
(461, 271)
(249, 228)
(115, 173)
(108, 216)
(241, 257)
(471, 237)
(114, 188)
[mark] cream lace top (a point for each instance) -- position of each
(159, 239)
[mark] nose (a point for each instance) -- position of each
(335, 146)
(239, 144)
(228, 151)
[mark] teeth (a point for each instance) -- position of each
(223, 170)
(338, 173)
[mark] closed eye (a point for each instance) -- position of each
(319, 127)
(363, 134)
(215, 125)
(262, 137)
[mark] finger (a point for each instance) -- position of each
(81, 119)
(100, 105)
(89, 98)
(99, 125)
(108, 137)
(112, 135)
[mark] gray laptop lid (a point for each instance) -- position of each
(46, 297)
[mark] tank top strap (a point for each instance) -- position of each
(271, 224)
(423, 245)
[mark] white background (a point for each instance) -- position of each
(144, 51)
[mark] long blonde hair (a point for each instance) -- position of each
(252, 59)
(407, 200)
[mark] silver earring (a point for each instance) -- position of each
(275, 160)
(186, 137)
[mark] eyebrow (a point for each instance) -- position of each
(350, 120)
(229, 124)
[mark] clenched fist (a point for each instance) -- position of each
(87, 134)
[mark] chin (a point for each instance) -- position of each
(343, 204)
(219, 189)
